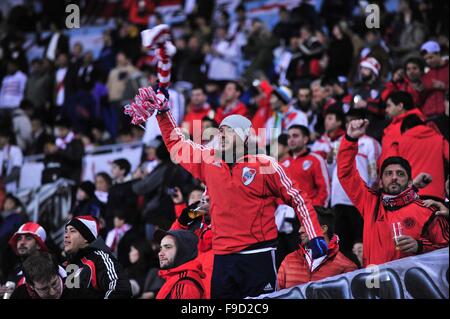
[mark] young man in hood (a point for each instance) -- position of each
(299, 267)
(395, 204)
(179, 267)
(99, 274)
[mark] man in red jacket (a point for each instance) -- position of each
(426, 151)
(306, 168)
(298, 267)
(230, 103)
(435, 81)
(398, 106)
(410, 82)
(179, 268)
(198, 109)
(242, 189)
(396, 204)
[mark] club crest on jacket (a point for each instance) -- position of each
(248, 174)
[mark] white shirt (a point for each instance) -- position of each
(280, 123)
(12, 90)
(369, 150)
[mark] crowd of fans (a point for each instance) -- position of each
(304, 81)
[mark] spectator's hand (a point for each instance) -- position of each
(407, 244)
(318, 247)
(357, 128)
(398, 76)
(442, 209)
(422, 180)
(177, 198)
(438, 85)
(148, 295)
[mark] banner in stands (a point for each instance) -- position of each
(419, 277)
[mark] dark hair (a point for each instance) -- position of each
(122, 214)
(410, 121)
(326, 217)
(305, 131)
(399, 161)
(237, 85)
(403, 97)
(123, 165)
(63, 122)
(359, 114)
(336, 109)
(417, 61)
(198, 87)
(105, 176)
(15, 199)
(41, 267)
(283, 139)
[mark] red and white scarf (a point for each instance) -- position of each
(394, 202)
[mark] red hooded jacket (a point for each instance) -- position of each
(434, 99)
(295, 269)
(392, 134)
(426, 150)
(417, 221)
(205, 254)
(241, 197)
(183, 282)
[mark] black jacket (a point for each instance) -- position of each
(100, 274)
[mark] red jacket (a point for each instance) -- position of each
(391, 134)
(197, 115)
(241, 197)
(434, 99)
(426, 150)
(417, 221)
(295, 269)
(310, 172)
(205, 254)
(406, 86)
(239, 109)
(177, 286)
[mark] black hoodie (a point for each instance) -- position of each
(99, 273)
(186, 242)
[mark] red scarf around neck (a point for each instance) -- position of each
(394, 202)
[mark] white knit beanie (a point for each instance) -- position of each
(240, 125)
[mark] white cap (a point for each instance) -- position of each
(240, 125)
(430, 47)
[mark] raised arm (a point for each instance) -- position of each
(348, 174)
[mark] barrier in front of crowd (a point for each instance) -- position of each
(424, 276)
